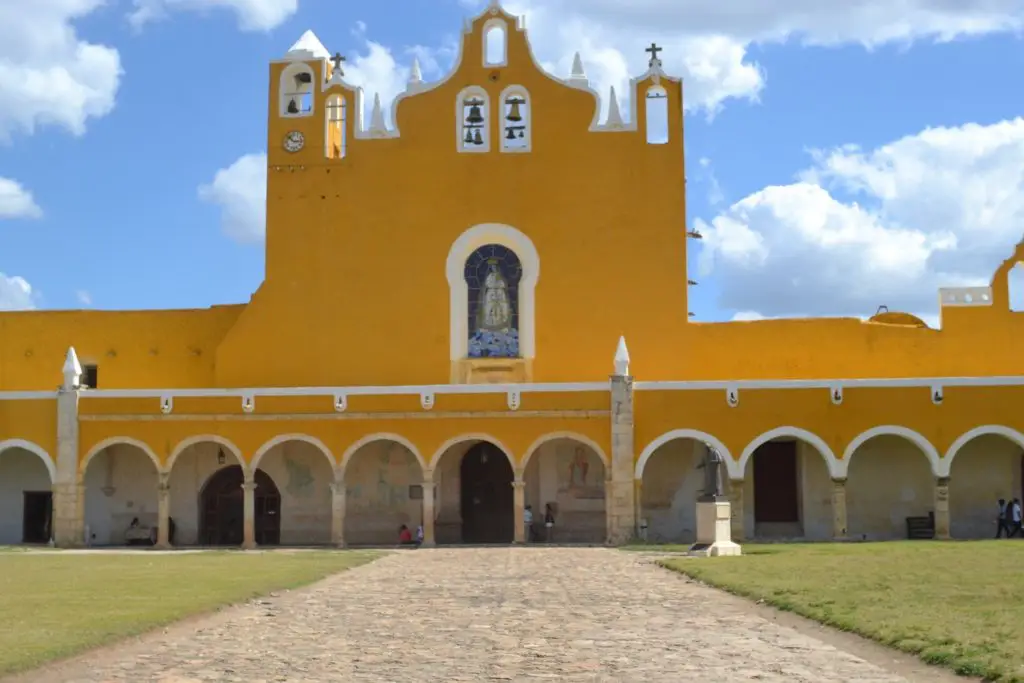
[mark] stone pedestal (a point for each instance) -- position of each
(338, 513)
(942, 508)
(519, 508)
(163, 515)
(249, 515)
(429, 539)
(714, 537)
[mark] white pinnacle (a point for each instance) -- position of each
(377, 124)
(415, 74)
(577, 67)
(614, 114)
(309, 43)
(622, 358)
(72, 370)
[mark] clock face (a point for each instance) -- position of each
(294, 141)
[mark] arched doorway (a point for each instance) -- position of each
(486, 495)
(222, 509)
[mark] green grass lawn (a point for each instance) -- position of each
(57, 604)
(960, 605)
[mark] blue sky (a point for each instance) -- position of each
(807, 143)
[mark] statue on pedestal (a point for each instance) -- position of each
(712, 465)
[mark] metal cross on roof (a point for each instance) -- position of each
(338, 59)
(653, 50)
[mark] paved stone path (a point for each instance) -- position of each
(483, 614)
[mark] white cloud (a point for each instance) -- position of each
(16, 201)
(241, 192)
(83, 297)
(16, 294)
(863, 228)
(706, 41)
(252, 15)
(48, 75)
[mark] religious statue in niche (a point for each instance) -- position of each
(578, 468)
(474, 123)
(580, 482)
(517, 119)
(492, 282)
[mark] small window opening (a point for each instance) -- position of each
(1015, 281)
(90, 376)
(656, 105)
(495, 45)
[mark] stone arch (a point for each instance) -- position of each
(461, 249)
(916, 438)
(968, 436)
(379, 436)
(35, 449)
(188, 442)
(463, 438)
(127, 440)
(797, 433)
(730, 463)
(285, 438)
(574, 436)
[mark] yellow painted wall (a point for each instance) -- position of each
(355, 291)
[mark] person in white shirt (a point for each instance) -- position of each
(1015, 518)
(528, 523)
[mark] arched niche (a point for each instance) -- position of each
(296, 90)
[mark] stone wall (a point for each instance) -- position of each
(120, 485)
(378, 483)
(889, 479)
(303, 476)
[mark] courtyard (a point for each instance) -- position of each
(460, 614)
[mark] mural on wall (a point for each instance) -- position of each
(301, 481)
(580, 474)
(380, 481)
(492, 277)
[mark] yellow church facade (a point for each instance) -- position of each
(482, 306)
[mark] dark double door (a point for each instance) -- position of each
(776, 483)
(487, 496)
(37, 517)
(223, 509)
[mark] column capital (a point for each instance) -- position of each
(942, 481)
(519, 484)
(249, 486)
(839, 481)
(428, 475)
(338, 487)
(428, 485)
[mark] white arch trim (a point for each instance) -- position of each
(645, 455)
(458, 306)
(917, 439)
(114, 441)
(463, 438)
(835, 470)
(571, 436)
(32, 448)
(999, 430)
(285, 438)
(379, 436)
(185, 444)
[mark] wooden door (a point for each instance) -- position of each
(776, 489)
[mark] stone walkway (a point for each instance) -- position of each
(483, 614)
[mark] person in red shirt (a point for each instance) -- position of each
(404, 535)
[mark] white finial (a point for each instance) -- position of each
(415, 74)
(614, 114)
(72, 370)
(308, 46)
(622, 358)
(377, 124)
(578, 77)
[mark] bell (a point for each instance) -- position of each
(477, 138)
(511, 135)
(293, 106)
(514, 113)
(469, 137)
(474, 112)
(522, 134)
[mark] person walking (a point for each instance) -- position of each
(1003, 519)
(1015, 518)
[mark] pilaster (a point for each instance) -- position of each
(519, 508)
(737, 519)
(839, 509)
(429, 540)
(338, 502)
(622, 518)
(942, 508)
(68, 493)
(163, 529)
(249, 515)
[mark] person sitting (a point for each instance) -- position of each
(419, 535)
(404, 535)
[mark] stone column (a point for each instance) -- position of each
(249, 515)
(622, 520)
(738, 520)
(428, 513)
(519, 509)
(338, 501)
(839, 509)
(163, 529)
(638, 509)
(68, 490)
(942, 508)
